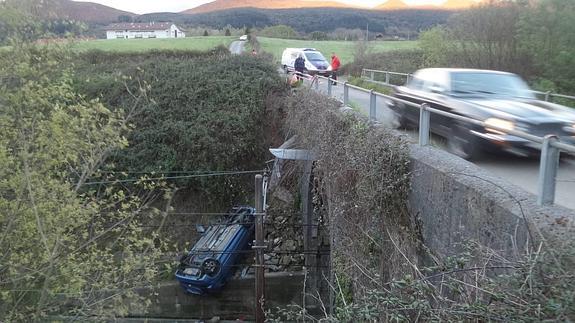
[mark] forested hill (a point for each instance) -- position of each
(310, 19)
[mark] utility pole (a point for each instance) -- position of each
(367, 32)
(259, 248)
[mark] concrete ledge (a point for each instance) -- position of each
(457, 201)
(235, 301)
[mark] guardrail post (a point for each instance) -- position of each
(372, 76)
(387, 77)
(547, 96)
(547, 171)
(372, 105)
(345, 94)
(424, 121)
(329, 84)
(316, 79)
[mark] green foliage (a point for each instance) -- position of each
(546, 32)
(16, 24)
(535, 41)
(402, 61)
(395, 22)
(318, 35)
(435, 47)
(228, 32)
(206, 33)
(358, 81)
(66, 246)
(206, 113)
(537, 287)
(280, 31)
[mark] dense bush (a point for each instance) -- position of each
(403, 61)
(534, 40)
(205, 112)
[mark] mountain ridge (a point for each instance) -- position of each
(67, 9)
(219, 5)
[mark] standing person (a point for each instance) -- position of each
(335, 64)
(299, 66)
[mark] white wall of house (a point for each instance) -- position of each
(173, 32)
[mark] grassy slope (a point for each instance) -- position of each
(131, 45)
(344, 49)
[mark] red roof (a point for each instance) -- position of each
(141, 26)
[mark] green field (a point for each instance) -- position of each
(138, 45)
(344, 49)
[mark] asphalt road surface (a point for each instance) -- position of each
(523, 172)
(237, 47)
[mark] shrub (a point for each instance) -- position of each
(206, 113)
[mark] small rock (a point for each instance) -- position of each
(283, 195)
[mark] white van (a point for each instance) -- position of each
(315, 62)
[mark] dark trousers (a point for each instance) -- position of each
(334, 75)
(299, 73)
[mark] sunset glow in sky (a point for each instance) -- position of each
(146, 6)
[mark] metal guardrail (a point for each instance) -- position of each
(550, 144)
(370, 75)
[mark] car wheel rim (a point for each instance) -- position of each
(457, 145)
(210, 267)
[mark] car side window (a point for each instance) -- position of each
(431, 86)
(415, 84)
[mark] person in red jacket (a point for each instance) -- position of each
(335, 64)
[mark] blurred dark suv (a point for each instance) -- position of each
(498, 99)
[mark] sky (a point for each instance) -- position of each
(147, 6)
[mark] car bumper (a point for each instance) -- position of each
(515, 145)
(198, 286)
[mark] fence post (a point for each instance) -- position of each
(316, 79)
(372, 105)
(424, 121)
(387, 77)
(329, 84)
(345, 94)
(547, 96)
(372, 76)
(548, 166)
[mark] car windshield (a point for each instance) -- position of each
(489, 84)
(314, 56)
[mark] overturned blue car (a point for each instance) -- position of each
(211, 261)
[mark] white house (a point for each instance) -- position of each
(144, 30)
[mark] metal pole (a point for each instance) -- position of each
(259, 246)
(316, 79)
(329, 84)
(372, 77)
(345, 94)
(547, 171)
(547, 96)
(372, 105)
(387, 77)
(424, 121)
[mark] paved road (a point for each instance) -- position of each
(237, 47)
(522, 172)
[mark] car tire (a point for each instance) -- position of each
(211, 267)
(400, 122)
(462, 143)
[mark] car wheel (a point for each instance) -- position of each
(211, 267)
(462, 143)
(400, 121)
